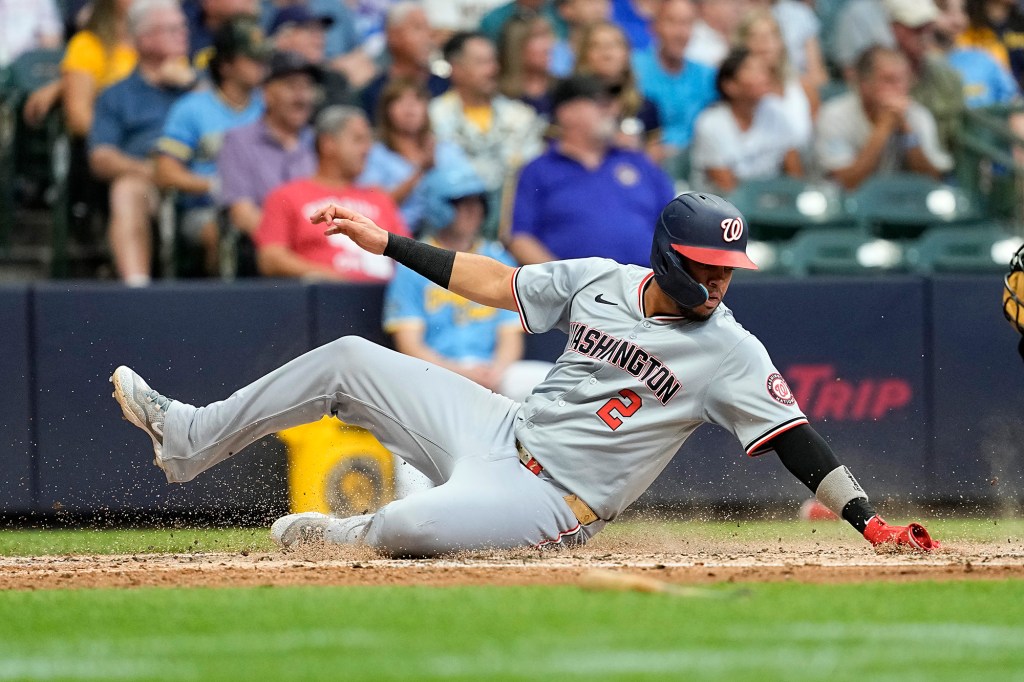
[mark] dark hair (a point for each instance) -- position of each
(625, 89)
(516, 33)
(975, 10)
(214, 66)
(730, 66)
(864, 67)
(102, 21)
(455, 45)
(392, 91)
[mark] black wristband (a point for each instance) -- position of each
(433, 263)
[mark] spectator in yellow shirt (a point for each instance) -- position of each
(99, 55)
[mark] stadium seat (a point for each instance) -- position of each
(839, 251)
(680, 167)
(26, 154)
(966, 249)
(985, 158)
(903, 205)
(777, 208)
(237, 254)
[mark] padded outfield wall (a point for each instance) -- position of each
(915, 382)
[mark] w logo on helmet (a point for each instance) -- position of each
(732, 229)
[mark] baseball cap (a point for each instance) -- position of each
(286, 63)
(241, 37)
(578, 87)
(298, 14)
(912, 13)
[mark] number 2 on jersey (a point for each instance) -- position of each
(608, 411)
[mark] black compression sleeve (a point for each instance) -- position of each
(808, 457)
(433, 263)
(805, 454)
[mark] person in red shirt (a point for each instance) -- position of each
(288, 245)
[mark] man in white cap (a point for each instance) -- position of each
(937, 85)
(908, 26)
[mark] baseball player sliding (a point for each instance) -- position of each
(650, 357)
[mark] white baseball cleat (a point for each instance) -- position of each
(300, 529)
(142, 406)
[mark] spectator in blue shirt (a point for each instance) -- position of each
(407, 153)
(129, 117)
(429, 322)
(195, 127)
(680, 88)
(986, 81)
(583, 197)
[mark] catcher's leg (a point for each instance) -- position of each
(427, 415)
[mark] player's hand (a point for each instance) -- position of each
(364, 232)
(914, 535)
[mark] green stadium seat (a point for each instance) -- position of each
(680, 166)
(840, 252)
(25, 153)
(777, 208)
(903, 205)
(964, 248)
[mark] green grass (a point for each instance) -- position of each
(132, 541)
(864, 633)
(178, 540)
(900, 632)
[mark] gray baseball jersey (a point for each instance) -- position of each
(629, 389)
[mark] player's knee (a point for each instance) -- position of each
(398, 531)
(352, 349)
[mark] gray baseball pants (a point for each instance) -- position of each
(457, 433)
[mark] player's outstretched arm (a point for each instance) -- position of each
(478, 278)
(808, 457)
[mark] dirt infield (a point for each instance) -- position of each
(713, 562)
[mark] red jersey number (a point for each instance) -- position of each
(608, 411)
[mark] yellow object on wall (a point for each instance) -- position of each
(337, 469)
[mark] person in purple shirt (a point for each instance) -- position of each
(276, 149)
(583, 197)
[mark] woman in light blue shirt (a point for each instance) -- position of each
(407, 151)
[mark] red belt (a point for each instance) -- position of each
(580, 509)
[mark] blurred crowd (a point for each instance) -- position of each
(527, 130)
(535, 129)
